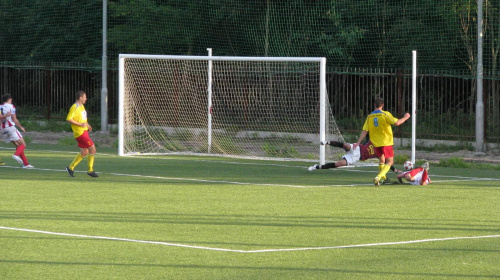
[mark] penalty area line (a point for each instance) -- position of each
(193, 179)
(246, 251)
(469, 179)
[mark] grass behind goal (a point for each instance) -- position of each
(219, 218)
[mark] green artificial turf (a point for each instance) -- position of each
(185, 217)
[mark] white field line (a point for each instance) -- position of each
(179, 158)
(344, 168)
(350, 168)
(465, 179)
(195, 180)
(458, 178)
(247, 251)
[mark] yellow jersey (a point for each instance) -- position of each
(378, 124)
(77, 113)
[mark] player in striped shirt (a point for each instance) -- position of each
(10, 131)
(378, 125)
(2, 117)
(77, 117)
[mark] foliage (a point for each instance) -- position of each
(400, 159)
(283, 151)
(367, 33)
(53, 125)
(57, 37)
(444, 148)
(68, 141)
(27, 139)
(457, 162)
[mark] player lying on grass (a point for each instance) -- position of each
(416, 176)
(361, 152)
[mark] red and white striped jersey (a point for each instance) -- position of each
(4, 109)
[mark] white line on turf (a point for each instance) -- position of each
(465, 179)
(247, 251)
(196, 180)
(344, 168)
(180, 158)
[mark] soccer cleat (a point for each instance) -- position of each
(324, 142)
(426, 166)
(92, 174)
(18, 159)
(311, 168)
(2, 163)
(376, 181)
(28, 166)
(386, 181)
(396, 170)
(70, 172)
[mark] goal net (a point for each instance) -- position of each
(237, 106)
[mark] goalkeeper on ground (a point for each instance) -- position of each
(416, 176)
(361, 152)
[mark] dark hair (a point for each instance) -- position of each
(5, 98)
(79, 94)
(379, 102)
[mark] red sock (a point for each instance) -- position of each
(19, 150)
(424, 177)
(23, 157)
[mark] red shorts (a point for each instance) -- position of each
(84, 140)
(387, 151)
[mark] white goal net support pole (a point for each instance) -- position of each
(414, 106)
(259, 107)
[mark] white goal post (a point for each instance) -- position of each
(259, 107)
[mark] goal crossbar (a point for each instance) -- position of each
(223, 58)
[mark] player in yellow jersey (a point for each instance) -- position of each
(378, 125)
(77, 117)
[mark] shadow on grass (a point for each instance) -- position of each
(253, 268)
(258, 220)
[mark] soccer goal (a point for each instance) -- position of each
(259, 107)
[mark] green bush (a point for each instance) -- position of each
(400, 159)
(27, 139)
(67, 141)
(454, 162)
(281, 152)
(461, 163)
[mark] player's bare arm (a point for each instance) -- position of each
(402, 120)
(345, 146)
(361, 137)
(16, 121)
(5, 116)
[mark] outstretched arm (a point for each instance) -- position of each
(361, 137)
(402, 120)
(337, 144)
